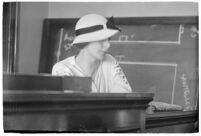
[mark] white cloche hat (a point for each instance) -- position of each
(94, 27)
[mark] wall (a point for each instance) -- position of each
(123, 9)
(32, 15)
(30, 33)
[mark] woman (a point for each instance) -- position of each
(92, 37)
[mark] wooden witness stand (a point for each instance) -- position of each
(69, 112)
(28, 109)
(56, 111)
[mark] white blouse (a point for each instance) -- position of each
(109, 77)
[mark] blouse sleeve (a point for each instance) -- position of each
(119, 81)
(61, 70)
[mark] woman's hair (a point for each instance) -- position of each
(81, 45)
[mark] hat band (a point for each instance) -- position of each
(88, 29)
(110, 24)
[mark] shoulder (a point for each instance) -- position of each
(64, 62)
(110, 63)
(67, 61)
(63, 67)
(109, 59)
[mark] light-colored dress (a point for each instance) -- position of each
(109, 77)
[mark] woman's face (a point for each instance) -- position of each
(98, 49)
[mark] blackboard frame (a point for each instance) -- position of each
(46, 53)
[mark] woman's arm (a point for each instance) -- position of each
(119, 82)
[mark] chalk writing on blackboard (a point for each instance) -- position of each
(129, 38)
(67, 46)
(67, 37)
(123, 38)
(65, 40)
(194, 32)
(186, 92)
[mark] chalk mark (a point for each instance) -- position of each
(125, 39)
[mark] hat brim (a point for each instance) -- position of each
(95, 36)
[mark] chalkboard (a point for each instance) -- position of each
(157, 55)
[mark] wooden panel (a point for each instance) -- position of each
(73, 112)
(104, 120)
(179, 128)
(46, 82)
(172, 122)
